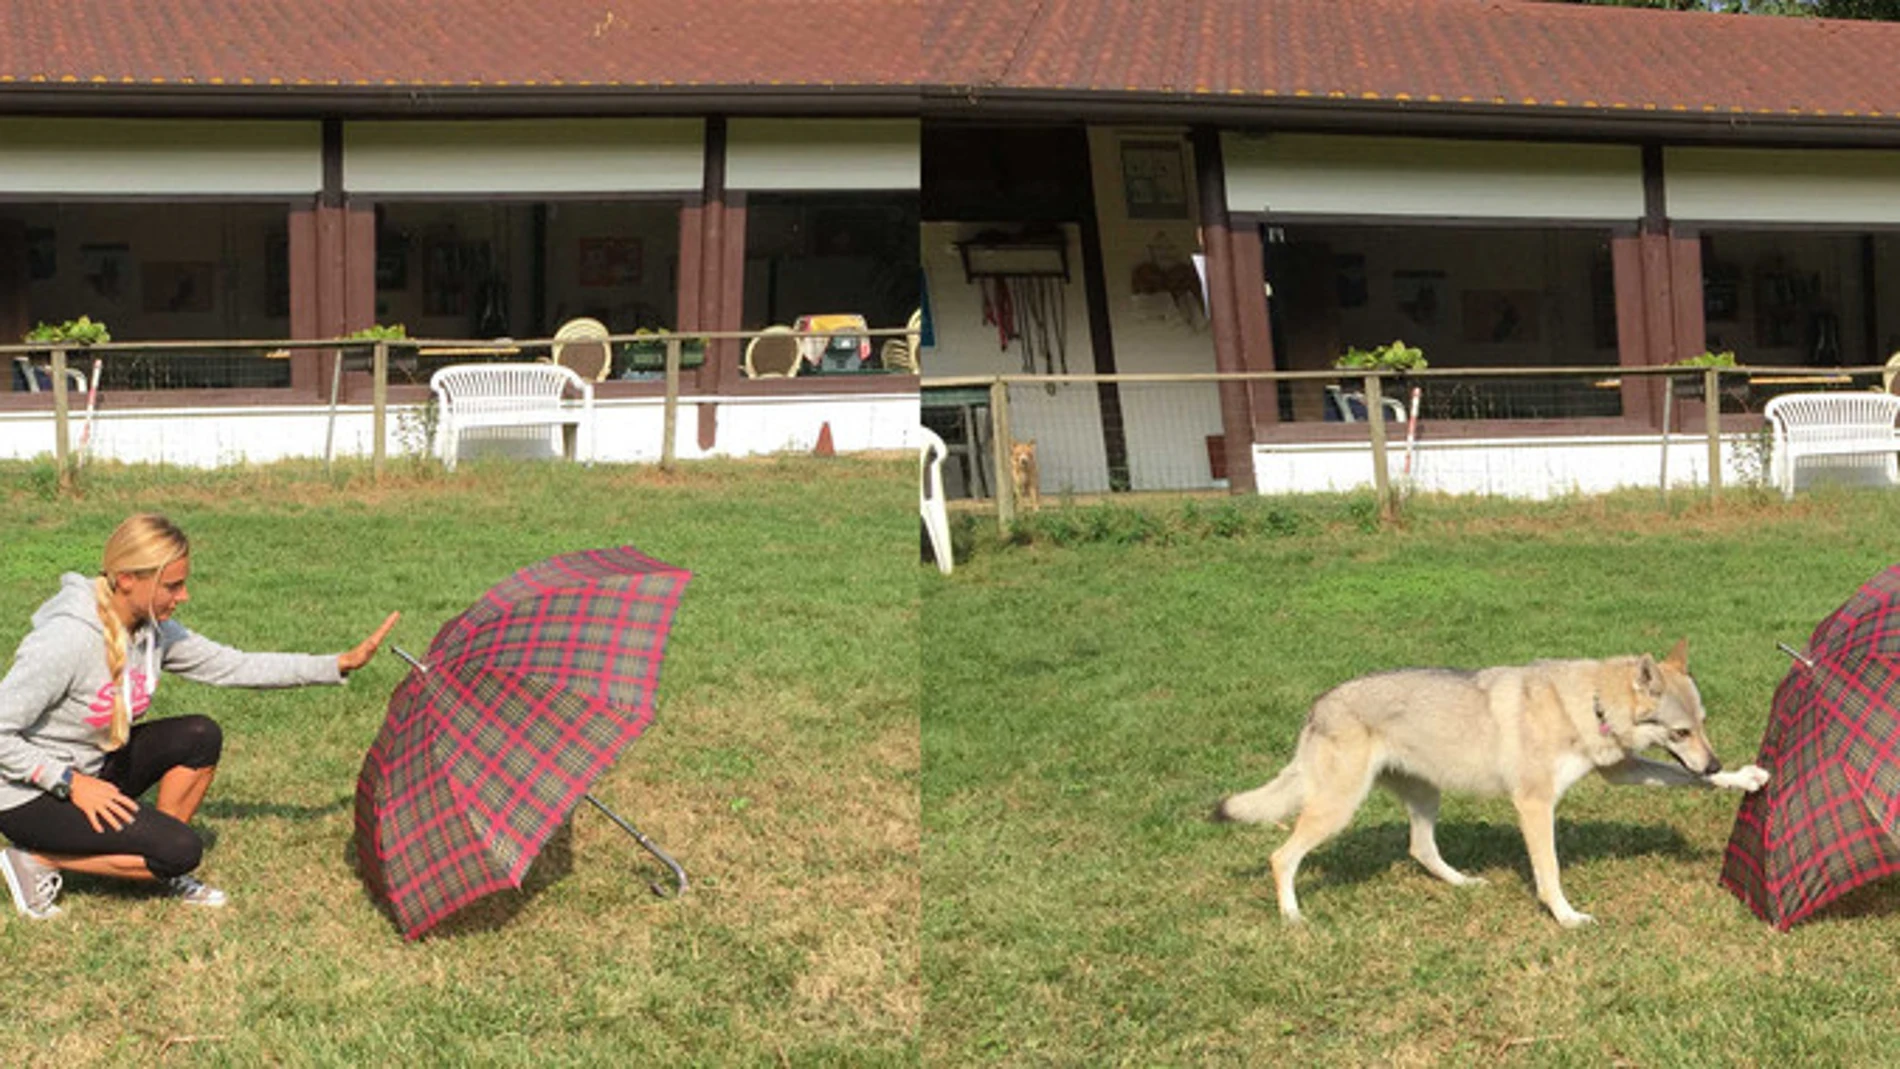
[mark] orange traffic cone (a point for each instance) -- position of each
(824, 447)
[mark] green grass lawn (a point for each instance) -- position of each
(1088, 696)
(781, 769)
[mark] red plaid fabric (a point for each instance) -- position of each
(529, 696)
(1825, 823)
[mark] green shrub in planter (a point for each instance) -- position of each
(647, 351)
(81, 331)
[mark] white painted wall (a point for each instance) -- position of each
(1537, 468)
(823, 154)
(159, 157)
(1811, 187)
(432, 158)
(1323, 174)
(1066, 423)
(1166, 426)
(627, 430)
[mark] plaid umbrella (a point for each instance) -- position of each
(1829, 819)
(522, 701)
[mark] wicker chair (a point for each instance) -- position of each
(773, 354)
(581, 344)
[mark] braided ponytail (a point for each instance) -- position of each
(115, 664)
(145, 544)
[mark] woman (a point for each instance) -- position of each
(73, 756)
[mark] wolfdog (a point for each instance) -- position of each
(1526, 731)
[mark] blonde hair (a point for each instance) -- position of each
(145, 544)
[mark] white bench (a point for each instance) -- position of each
(1844, 431)
(480, 397)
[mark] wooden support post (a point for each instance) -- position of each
(999, 457)
(670, 415)
(1712, 408)
(379, 407)
(62, 410)
(1375, 417)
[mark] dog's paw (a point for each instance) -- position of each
(1750, 778)
(1572, 919)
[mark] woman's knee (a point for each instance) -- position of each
(201, 740)
(171, 847)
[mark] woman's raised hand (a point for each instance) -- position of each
(350, 660)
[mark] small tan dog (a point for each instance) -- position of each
(1023, 477)
(1527, 731)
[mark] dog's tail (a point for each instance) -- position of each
(1271, 804)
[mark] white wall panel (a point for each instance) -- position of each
(818, 154)
(524, 156)
(1746, 185)
(1316, 174)
(159, 157)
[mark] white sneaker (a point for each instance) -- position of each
(193, 891)
(34, 886)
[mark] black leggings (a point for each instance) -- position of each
(48, 825)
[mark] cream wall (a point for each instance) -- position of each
(159, 157)
(524, 156)
(1166, 426)
(1066, 425)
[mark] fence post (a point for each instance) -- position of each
(999, 457)
(1712, 408)
(670, 412)
(379, 406)
(62, 447)
(1375, 417)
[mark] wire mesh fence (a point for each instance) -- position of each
(1516, 431)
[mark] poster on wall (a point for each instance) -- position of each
(42, 253)
(1417, 295)
(607, 262)
(106, 274)
(176, 288)
(1500, 317)
(1154, 180)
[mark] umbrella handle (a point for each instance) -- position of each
(679, 874)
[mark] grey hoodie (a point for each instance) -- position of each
(56, 700)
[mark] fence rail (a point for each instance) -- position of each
(1133, 431)
(159, 366)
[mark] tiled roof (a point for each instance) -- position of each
(1455, 52)
(1451, 56)
(514, 43)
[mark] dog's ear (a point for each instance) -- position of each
(1649, 678)
(1679, 657)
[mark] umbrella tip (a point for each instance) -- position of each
(1806, 661)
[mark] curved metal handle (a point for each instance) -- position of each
(679, 874)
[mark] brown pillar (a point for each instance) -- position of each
(1256, 328)
(1236, 417)
(305, 369)
(719, 354)
(1640, 395)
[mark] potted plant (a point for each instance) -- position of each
(646, 353)
(73, 333)
(1393, 356)
(1689, 387)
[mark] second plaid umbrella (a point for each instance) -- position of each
(521, 702)
(1829, 819)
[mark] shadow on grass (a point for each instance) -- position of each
(491, 912)
(228, 810)
(1360, 854)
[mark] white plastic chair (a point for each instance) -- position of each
(581, 344)
(32, 373)
(773, 354)
(1344, 400)
(930, 497)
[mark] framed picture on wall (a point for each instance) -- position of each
(277, 274)
(106, 274)
(609, 262)
(1154, 179)
(174, 288)
(42, 253)
(1500, 317)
